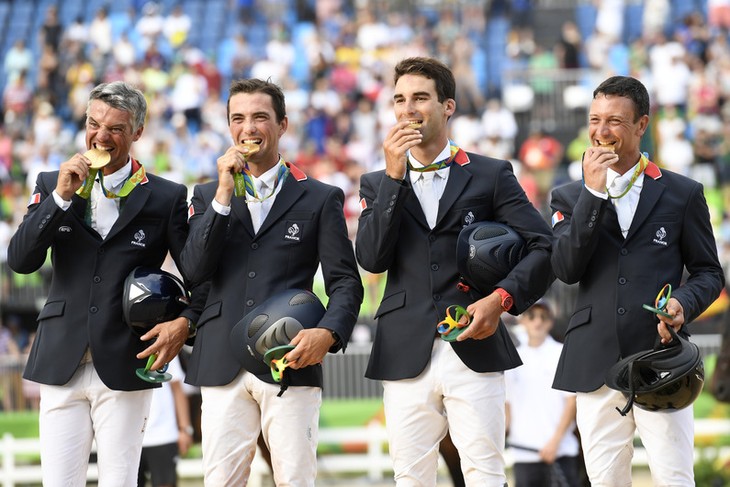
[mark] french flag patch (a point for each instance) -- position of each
(191, 211)
(557, 218)
(363, 204)
(35, 198)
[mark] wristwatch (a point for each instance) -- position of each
(187, 429)
(192, 329)
(507, 300)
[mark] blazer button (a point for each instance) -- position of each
(93, 309)
(252, 274)
(437, 297)
(590, 225)
(255, 245)
(624, 252)
(250, 302)
(434, 267)
(622, 280)
(97, 279)
(621, 311)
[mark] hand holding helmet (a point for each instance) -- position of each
(266, 332)
(152, 296)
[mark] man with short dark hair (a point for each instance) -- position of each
(622, 233)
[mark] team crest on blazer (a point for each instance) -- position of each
(139, 239)
(660, 236)
(292, 233)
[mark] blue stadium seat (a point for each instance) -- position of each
(585, 19)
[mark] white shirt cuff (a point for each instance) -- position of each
(220, 209)
(597, 194)
(62, 203)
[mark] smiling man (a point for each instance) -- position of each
(99, 223)
(412, 214)
(622, 233)
(264, 227)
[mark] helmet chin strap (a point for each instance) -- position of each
(630, 402)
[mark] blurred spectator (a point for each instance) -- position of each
(76, 33)
(569, 46)
(177, 26)
(150, 25)
(610, 18)
(18, 60)
(540, 419)
(49, 82)
(188, 95)
(100, 32)
(123, 51)
(719, 13)
(169, 432)
(9, 355)
(17, 100)
(6, 163)
(51, 30)
(655, 17)
(540, 154)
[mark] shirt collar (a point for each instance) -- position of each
(268, 178)
(118, 177)
(444, 154)
(622, 180)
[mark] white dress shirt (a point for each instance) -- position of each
(430, 186)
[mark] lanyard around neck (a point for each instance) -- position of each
(643, 162)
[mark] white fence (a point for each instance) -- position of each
(373, 462)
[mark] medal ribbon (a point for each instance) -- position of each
(435, 166)
(243, 181)
(643, 162)
(85, 190)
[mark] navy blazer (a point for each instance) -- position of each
(305, 227)
(84, 305)
(670, 232)
(393, 236)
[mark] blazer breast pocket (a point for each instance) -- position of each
(297, 226)
(143, 232)
(664, 229)
(471, 210)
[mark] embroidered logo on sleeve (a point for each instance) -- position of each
(191, 211)
(35, 198)
(363, 204)
(557, 218)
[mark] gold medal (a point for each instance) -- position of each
(98, 158)
(252, 148)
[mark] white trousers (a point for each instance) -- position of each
(234, 414)
(446, 396)
(608, 440)
(84, 409)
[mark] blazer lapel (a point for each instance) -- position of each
(240, 209)
(134, 204)
(412, 205)
(458, 179)
(650, 194)
(290, 192)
